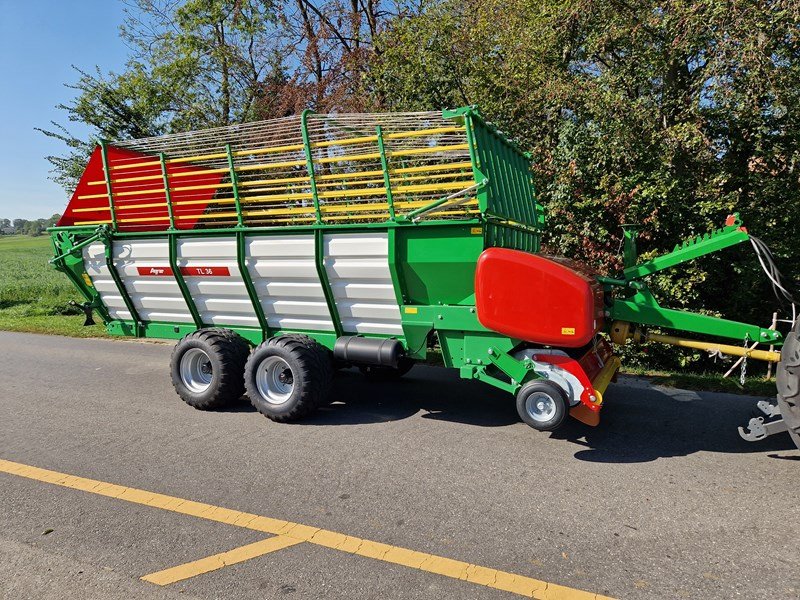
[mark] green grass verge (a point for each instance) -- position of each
(708, 382)
(35, 297)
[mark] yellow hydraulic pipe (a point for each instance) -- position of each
(714, 347)
(604, 377)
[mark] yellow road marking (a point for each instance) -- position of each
(223, 559)
(430, 563)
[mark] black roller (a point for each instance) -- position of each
(368, 351)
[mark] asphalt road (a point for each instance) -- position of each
(663, 500)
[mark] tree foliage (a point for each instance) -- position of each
(669, 114)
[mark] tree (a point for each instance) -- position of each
(668, 114)
(204, 63)
(195, 64)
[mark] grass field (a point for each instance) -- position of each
(34, 296)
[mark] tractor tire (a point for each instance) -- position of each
(542, 405)
(787, 378)
(288, 377)
(377, 373)
(207, 368)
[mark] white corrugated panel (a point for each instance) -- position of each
(284, 273)
(156, 298)
(357, 265)
(94, 261)
(220, 299)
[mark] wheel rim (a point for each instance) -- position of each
(275, 380)
(541, 407)
(197, 372)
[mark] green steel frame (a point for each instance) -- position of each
(636, 304)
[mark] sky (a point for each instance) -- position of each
(40, 40)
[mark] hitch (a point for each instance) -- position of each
(756, 430)
(86, 307)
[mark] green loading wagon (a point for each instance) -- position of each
(280, 250)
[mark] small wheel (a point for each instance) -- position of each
(286, 377)
(787, 378)
(207, 367)
(542, 405)
(377, 373)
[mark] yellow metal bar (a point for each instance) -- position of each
(276, 198)
(93, 209)
(149, 163)
(183, 188)
(402, 170)
(264, 166)
(430, 150)
(440, 167)
(191, 188)
(128, 179)
(434, 187)
(345, 141)
(419, 188)
(90, 196)
(368, 139)
(411, 178)
(291, 147)
(256, 182)
(349, 157)
(198, 158)
(201, 172)
(270, 150)
(421, 132)
(440, 187)
(303, 196)
(604, 377)
(393, 153)
(104, 222)
(160, 190)
(219, 215)
(765, 355)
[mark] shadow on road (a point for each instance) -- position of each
(642, 424)
(639, 423)
(437, 393)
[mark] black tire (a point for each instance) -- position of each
(548, 417)
(377, 373)
(288, 377)
(241, 345)
(787, 378)
(321, 354)
(218, 356)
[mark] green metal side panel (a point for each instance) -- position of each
(511, 236)
(509, 194)
(437, 264)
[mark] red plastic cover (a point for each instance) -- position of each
(545, 300)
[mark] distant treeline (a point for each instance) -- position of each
(26, 227)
